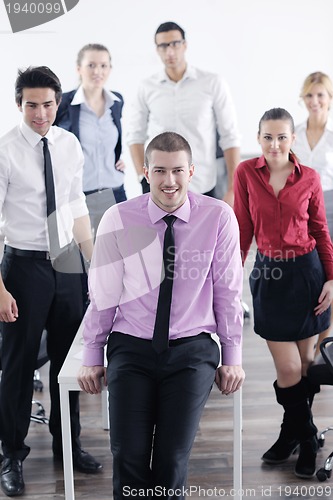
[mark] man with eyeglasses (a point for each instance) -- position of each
(192, 102)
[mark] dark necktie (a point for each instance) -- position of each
(160, 340)
(50, 201)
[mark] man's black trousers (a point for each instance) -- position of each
(45, 299)
(156, 401)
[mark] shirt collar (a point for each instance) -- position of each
(156, 213)
(32, 137)
(329, 125)
(261, 162)
(190, 73)
(79, 97)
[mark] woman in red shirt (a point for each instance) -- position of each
(280, 202)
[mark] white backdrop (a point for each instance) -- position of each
(264, 49)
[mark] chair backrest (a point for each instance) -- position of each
(42, 354)
(326, 349)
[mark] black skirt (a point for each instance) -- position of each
(285, 293)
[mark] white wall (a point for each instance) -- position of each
(264, 48)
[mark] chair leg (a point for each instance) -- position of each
(326, 471)
(321, 438)
(39, 416)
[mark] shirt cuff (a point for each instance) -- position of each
(93, 357)
(231, 355)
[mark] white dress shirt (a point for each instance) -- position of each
(320, 158)
(98, 138)
(22, 186)
(195, 107)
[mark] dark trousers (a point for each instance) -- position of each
(156, 401)
(45, 299)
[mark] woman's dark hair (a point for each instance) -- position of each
(277, 114)
(37, 77)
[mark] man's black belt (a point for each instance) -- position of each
(87, 193)
(34, 254)
(93, 191)
(185, 340)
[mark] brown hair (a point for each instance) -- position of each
(169, 142)
(91, 46)
(277, 114)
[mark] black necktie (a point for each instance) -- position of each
(50, 201)
(160, 340)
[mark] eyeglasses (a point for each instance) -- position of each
(176, 44)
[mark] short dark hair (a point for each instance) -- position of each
(277, 114)
(91, 46)
(169, 142)
(170, 26)
(37, 77)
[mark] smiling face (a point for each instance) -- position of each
(276, 139)
(94, 69)
(169, 175)
(317, 100)
(39, 108)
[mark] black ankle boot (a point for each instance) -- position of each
(288, 440)
(306, 463)
(281, 450)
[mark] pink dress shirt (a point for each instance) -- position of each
(125, 275)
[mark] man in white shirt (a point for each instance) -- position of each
(191, 102)
(40, 167)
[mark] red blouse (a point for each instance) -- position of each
(285, 226)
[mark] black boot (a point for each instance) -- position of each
(281, 450)
(306, 463)
(287, 441)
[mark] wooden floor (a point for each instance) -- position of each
(211, 460)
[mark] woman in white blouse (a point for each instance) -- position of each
(314, 140)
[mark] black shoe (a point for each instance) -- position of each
(280, 451)
(84, 462)
(306, 464)
(12, 483)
